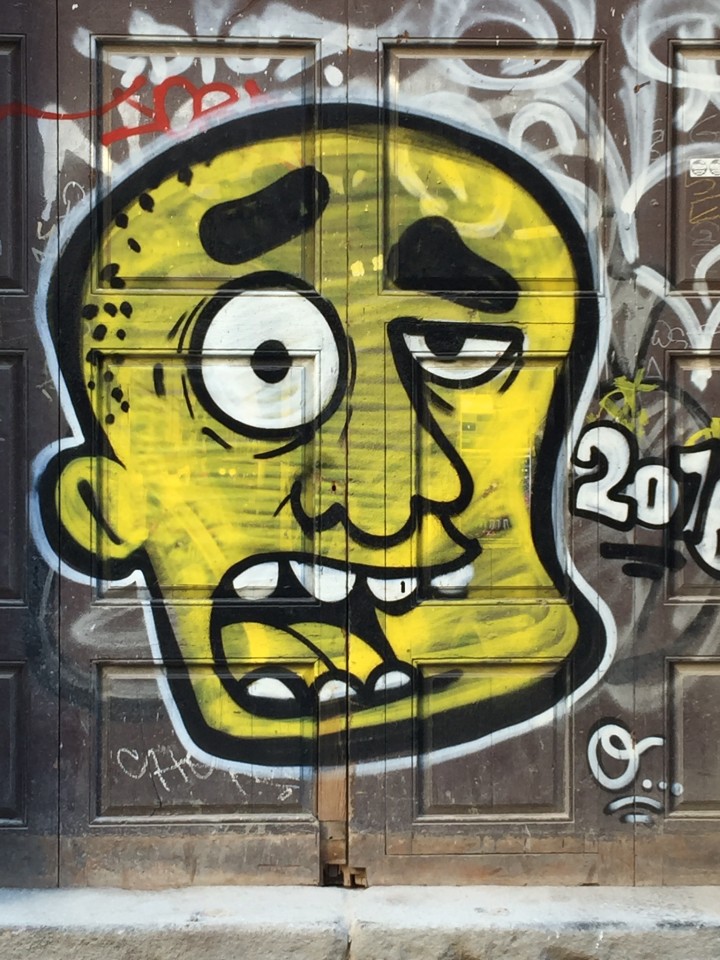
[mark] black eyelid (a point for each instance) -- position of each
(515, 336)
(270, 281)
(511, 356)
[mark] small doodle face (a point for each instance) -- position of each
(328, 462)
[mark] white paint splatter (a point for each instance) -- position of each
(333, 75)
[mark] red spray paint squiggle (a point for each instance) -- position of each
(158, 119)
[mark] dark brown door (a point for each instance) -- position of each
(192, 747)
(28, 421)
(490, 300)
(380, 529)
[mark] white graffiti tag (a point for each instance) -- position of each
(617, 743)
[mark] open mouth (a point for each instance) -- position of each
(284, 590)
(302, 577)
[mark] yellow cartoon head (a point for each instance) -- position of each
(324, 393)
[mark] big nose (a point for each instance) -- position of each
(385, 461)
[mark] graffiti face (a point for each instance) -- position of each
(326, 482)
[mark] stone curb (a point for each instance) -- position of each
(382, 923)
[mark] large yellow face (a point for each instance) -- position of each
(330, 487)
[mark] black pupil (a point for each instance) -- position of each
(271, 361)
(446, 343)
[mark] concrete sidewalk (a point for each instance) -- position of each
(382, 923)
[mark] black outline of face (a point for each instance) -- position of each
(64, 311)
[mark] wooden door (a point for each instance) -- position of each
(202, 354)
(490, 300)
(557, 653)
(29, 209)
(382, 505)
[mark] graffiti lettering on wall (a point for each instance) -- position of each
(302, 545)
(679, 495)
(176, 776)
(620, 489)
(612, 743)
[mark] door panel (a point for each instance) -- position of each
(28, 421)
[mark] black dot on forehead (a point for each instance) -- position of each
(99, 332)
(146, 202)
(89, 311)
(121, 220)
(110, 309)
(126, 309)
(109, 274)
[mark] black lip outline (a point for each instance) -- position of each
(226, 592)
(284, 609)
(305, 699)
(284, 613)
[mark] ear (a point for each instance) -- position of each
(101, 507)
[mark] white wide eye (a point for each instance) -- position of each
(270, 362)
(477, 359)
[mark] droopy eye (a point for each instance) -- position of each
(267, 364)
(463, 355)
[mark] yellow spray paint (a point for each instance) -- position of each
(198, 497)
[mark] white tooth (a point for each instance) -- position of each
(333, 690)
(271, 688)
(257, 582)
(454, 583)
(328, 584)
(391, 590)
(304, 573)
(392, 679)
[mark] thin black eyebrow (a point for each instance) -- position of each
(176, 326)
(242, 229)
(188, 321)
(431, 256)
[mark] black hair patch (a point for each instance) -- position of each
(430, 256)
(240, 230)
